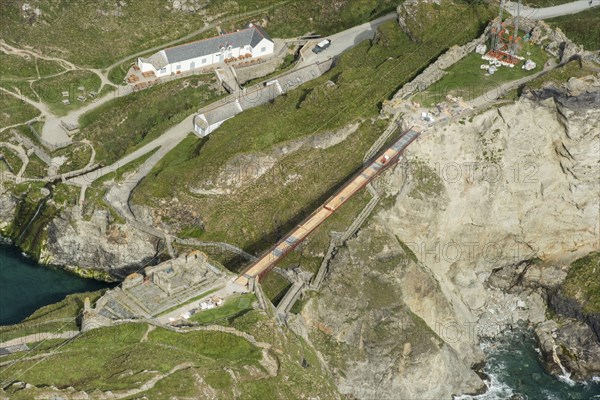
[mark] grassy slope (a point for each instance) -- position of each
(364, 77)
(117, 127)
(323, 17)
(582, 28)
(95, 34)
(111, 32)
(466, 79)
(117, 358)
(231, 308)
(15, 111)
(582, 282)
(50, 89)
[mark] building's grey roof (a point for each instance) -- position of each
(222, 113)
(201, 122)
(157, 60)
(250, 36)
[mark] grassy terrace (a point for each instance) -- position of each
(261, 210)
(582, 28)
(118, 127)
(468, 80)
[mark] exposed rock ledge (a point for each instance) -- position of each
(487, 206)
(97, 248)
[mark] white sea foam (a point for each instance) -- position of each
(496, 391)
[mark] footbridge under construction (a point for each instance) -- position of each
(263, 265)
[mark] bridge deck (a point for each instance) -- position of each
(268, 260)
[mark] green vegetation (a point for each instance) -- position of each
(582, 283)
(15, 111)
(36, 168)
(50, 89)
(94, 198)
(102, 354)
(127, 356)
(324, 17)
(468, 80)
(563, 73)
(582, 28)
(11, 159)
(32, 216)
(66, 29)
(77, 157)
(232, 308)
(275, 287)
(118, 127)
(407, 251)
(17, 67)
(193, 299)
(57, 317)
(271, 204)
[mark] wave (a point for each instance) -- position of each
(496, 390)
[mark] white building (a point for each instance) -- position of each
(251, 42)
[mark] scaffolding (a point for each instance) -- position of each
(504, 44)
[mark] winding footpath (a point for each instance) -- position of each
(550, 12)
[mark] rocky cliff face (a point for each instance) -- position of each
(97, 248)
(8, 205)
(487, 212)
(367, 323)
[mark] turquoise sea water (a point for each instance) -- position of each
(515, 372)
(26, 286)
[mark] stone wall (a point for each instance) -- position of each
(556, 42)
(252, 71)
(436, 71)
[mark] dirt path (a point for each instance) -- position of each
(37, 104)
(38, 337)
(14, 50)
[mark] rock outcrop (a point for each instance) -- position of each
(366, 322)
(97, 248)
(570, 349)
(8, 206)
(487, 215)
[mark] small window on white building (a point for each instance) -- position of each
(178, 67)
(163, 70)
(204, 61)
(263, 49)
